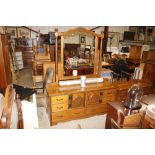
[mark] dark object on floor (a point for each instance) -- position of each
(24, 93)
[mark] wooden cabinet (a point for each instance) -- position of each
(135, 52)
(28, 58)
(78, 103)
(148, 55)
(149, 72)
(5, 71)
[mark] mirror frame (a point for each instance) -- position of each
(97, 56)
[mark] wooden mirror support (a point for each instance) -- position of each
(76, 39)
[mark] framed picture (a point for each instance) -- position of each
(12, 31)
(82, 39)
(149, 34)
(113, 39)
(106, 58)
(141, 33)
(23, 32)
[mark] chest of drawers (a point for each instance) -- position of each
(79, 103)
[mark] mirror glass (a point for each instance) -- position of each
(78, 52)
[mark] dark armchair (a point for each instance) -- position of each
(122, 69)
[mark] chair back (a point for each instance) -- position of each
(9, 117)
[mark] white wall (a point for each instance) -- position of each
(1, 30)
(120, 29)
(46, 29)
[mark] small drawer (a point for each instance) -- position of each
(111, 92)
(59, 107)
(105, 100)
(59, 99)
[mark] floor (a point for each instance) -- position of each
(96, 122)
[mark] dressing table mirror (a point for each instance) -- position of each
(80, 54)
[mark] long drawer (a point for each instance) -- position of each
(60, 116)
(76, 113)
(68, 115)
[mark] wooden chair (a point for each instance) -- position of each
(133, 121)
(120, 117)
(12, 113)
(17, 115)
(41, 81)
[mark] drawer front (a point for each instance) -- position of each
(59, 99)
(59, 107)
(59, 116)
(75, 113)
(122, 95)
(108, 95)
(92, 98)
(96, 110)
(78, 100)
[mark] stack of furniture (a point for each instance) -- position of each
(74, 101)
(149, 72)
(25, 46)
